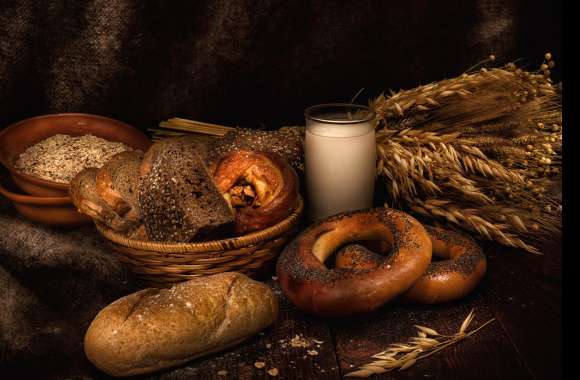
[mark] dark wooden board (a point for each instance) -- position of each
(521, 290)
(487, 354)
(524, 292)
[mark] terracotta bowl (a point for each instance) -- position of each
(16, 138)
(52, 211)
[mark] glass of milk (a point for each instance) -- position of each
(340, 158)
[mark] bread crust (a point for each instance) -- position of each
(461, 267)
(274, 180)
(117, 183)
(155, 329)
(287, 143)
(87, 201)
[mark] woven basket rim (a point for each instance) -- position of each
(206, 246)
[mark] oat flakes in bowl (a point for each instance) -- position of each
(18, 137)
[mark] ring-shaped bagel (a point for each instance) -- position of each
(462, 267)
(335, 292)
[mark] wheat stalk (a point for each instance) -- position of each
(477, 151)
(428, 341)
(474, 220)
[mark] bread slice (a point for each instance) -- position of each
(156, 149)
(85, 198)
(117, 183)
(178, 198)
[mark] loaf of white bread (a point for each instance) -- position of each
(155, 329)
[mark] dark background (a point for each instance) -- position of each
(256, 63)
(249, 63)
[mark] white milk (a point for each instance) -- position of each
(340, 167)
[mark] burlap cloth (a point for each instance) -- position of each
(248, 62)
(52, 283)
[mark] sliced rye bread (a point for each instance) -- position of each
(117, 183)
(178, 198)
(159, 147)
(84, 196)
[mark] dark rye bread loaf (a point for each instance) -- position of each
(178, 198)
(84, 196)
(117, 183)
(288, 143)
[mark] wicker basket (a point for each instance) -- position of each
(162, 264)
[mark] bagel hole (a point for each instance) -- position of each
(381, 247)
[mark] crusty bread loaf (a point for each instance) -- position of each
(83, 193)
(160, 328)
(178, 198)
(117, 183)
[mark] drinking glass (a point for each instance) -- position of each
(340, 158)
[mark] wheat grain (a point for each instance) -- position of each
(485, 153)
(402, 356)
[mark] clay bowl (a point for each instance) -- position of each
(52, 211)
(16, 138)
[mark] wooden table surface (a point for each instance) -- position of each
(522, 291)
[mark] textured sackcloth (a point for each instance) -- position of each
(248, 62)
(52, 284)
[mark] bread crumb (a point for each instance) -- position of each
(268, 345)
(222, 372)
(259, 365)
(299, 341)
(312, 352)
(273, 372)
(188, 305)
